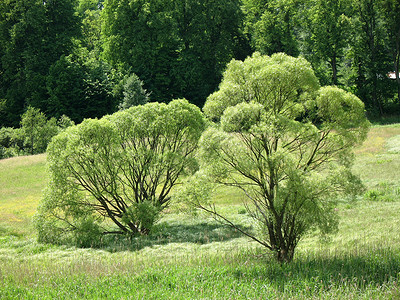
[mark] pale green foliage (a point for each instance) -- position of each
(34, 134)
(37, 130)
(87, 232)
(286, 143)
(64, 122)
(120, 168)
(280, 83)
(241, 117)
(145, 214)
(133, 92)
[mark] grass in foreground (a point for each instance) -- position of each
(191, 271)
(192, 257)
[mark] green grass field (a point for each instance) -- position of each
(190, 256)
(22, 181)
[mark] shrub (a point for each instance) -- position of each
(118, 170)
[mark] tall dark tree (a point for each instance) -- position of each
(179, 48)
(22, 32)
(80, 89)
(209, 35)
(369, 55)
(81, 85)
(328, 28)
(65, 84)
(34, 34)
(141, 35)
(271, 25)
(391, 13)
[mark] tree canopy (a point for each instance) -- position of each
(285, 142)
(34, 34)
(178, 48)
(72, 57)
(115, 175)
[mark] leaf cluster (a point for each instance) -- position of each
(286, 143)
(119, 170)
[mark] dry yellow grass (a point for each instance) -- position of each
(377, 139)
(21, 161)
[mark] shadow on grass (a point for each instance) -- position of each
(370, 269)
(385, 120)
(202, 233)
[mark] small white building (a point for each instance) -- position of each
(391, 75)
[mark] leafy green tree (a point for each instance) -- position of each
(34, 134)
(32, 123)
(19, 55)
(99, 83)
(89, 12)
(65, 87)
(6, 134)
(37, 130)
(141, 35)
(370, 58)
(64, 122)
(286, 143)
(11, 142)
(391, 12)
(119, 169)
(210, 34)
(271, 25)
(34, 34)
(84, 6)
(327, 33)
(179, 48)
(80, 88)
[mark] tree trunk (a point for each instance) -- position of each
(396, 65)
(334, 70)
(285, 255)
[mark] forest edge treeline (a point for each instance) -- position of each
(73, 57)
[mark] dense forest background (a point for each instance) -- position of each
(75, 57)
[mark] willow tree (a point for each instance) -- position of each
(286, 143)
(115, 175)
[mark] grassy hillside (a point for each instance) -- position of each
(192, 257)
(22, 180)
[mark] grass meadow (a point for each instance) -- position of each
(190, 256)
